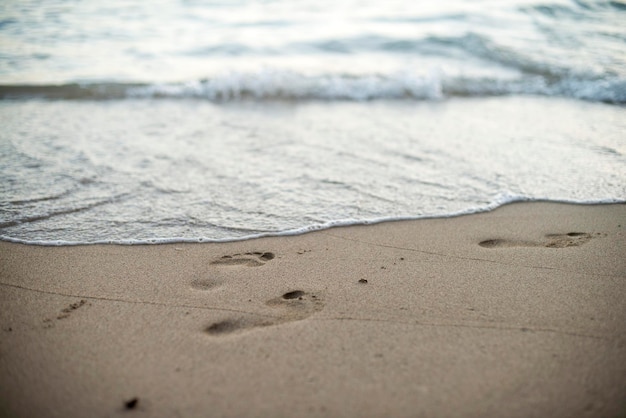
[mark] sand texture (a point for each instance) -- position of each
(520, 312)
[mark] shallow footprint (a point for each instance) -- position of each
(294, 305)
(571, 239)
(252, 259)
(204, 284)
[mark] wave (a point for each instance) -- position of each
(286, 85)
(502, 200)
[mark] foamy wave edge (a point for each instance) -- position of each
(502, 200)
(285, 85)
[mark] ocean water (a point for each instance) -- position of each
(183, 120)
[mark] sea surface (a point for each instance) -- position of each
(188, 120)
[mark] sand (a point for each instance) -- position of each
(520, 312)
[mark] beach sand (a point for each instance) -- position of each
(519, 312)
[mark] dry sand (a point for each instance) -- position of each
(520, 312)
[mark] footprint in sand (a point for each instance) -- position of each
(571, 239)
(294, 305)
(65, 313)
(253, 259)
(205, 284)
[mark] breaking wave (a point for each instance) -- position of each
(285, 85)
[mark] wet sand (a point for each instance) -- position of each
(519, 312)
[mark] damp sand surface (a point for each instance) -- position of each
(517, 312)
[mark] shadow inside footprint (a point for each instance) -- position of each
(296, 294)
(251, 259)
(231, 326)
(495, 243)
(204, 284)
(223, 327)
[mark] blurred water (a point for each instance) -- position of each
(308, 49)
(132, 121)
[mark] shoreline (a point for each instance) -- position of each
(303, 230)
(189, 186)
(517, 311)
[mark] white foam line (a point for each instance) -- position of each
(501, 201)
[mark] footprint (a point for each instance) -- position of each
(294, 305)
(65, 313)
(571, 239)
(204, 284)
(231, 326)
(253, 259)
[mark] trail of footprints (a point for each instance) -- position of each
(571, 239)
(293, 305)
(296, 305)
